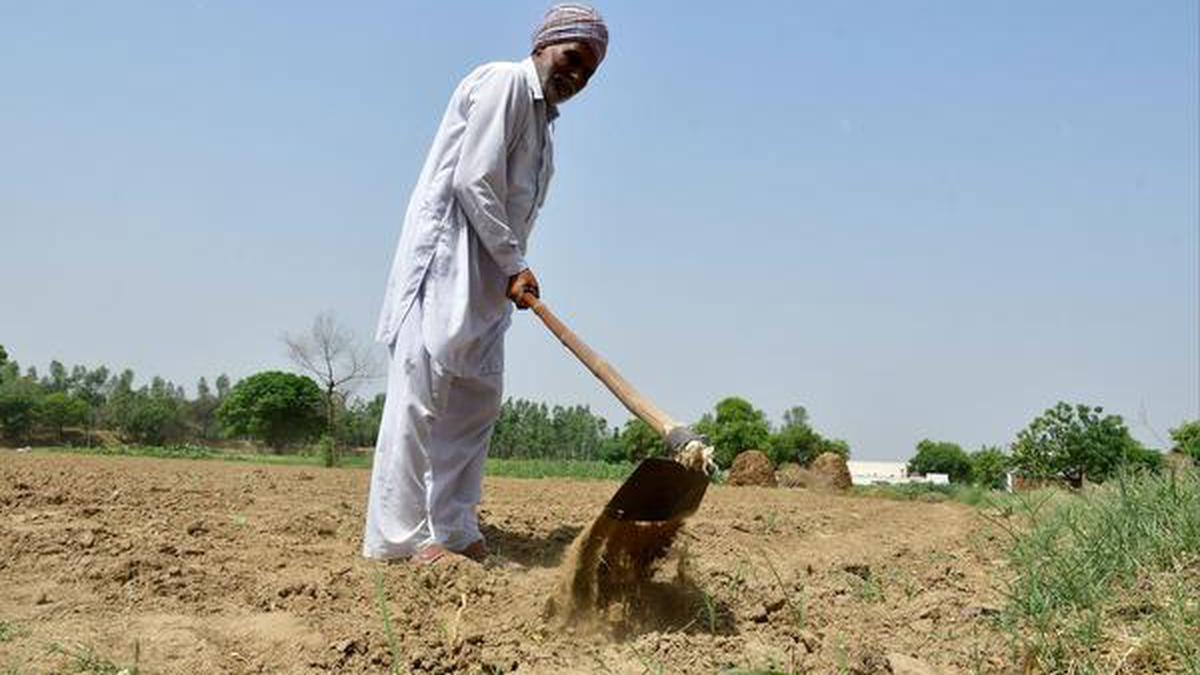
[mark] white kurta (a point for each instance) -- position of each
(445, 310)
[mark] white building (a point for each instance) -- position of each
(877, 473)
(889, 473)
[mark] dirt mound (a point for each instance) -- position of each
(832, 471)
(752, 467)
(792, 475)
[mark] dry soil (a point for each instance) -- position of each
(214, 567)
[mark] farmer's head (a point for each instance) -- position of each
(567, 49)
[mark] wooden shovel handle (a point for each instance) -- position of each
(633, 401)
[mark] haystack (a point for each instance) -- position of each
(752, 467)
(832, 470)
(792, 475)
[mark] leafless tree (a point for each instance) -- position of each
(330, 353)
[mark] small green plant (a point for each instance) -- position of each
(795, 605)
(8, 630)
(841, 657)
(381, 604)
(772, 524)
(709, 608)
(869, 590)
(85, 660)
(649, 665)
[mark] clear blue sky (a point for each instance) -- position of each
(918, 219)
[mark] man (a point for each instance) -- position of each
(459, 268)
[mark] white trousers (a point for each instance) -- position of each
(427, 476)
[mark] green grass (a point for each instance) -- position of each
(972, 495)
(512, 468)
(1106, 579)
(8, 630)
(200, 452)
(558, 468)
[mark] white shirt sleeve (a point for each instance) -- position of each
(498, 105)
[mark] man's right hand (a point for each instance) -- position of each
(521, 283)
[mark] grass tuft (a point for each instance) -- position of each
(1104, 580)
(971, 495)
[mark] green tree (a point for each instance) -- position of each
(1076, 442)
(989, 467)
(19, 398)
(1187, 439)
(736, 426)
(358, 424)
(528, 429)
(274, 407)
(640, 441)
(58, 379)
(148, 416)
(941, 457)
(835, 445)
(203, 411)
(522, 430)
(577, 433)
(611, 449)
(223, 386)
(58, 410)
(795, 440)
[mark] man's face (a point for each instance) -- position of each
(564, 69)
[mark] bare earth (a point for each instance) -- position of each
(212, 567)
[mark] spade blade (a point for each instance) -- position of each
(658, 490)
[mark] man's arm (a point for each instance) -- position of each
(498, 104)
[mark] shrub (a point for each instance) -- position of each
(146, 417)
(737, 426)
(989, 467)
(638, 441)
(1187, 439)
(274, 407)
(941, 457)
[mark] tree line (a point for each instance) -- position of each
(284, 411)
(92, 406)
(1068, 444)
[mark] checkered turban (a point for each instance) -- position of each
(570, 22)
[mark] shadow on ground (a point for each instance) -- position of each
(528, 549)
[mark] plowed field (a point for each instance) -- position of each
(214, 567)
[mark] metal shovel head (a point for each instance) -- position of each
(658, 490)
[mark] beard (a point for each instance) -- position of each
(559, 87)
